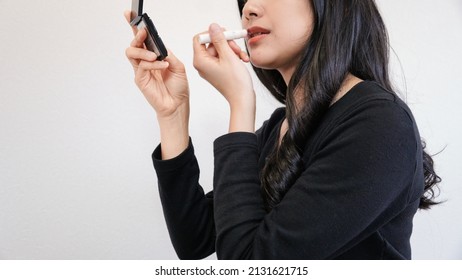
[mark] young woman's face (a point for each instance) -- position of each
(278, 32)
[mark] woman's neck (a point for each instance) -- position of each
(348, 83)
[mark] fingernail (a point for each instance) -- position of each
(152, 55)
(214, 28)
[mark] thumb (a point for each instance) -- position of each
(175, 64)
(218, 40)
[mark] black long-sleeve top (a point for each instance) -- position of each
(355, 199)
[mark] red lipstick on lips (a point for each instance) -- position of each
(256, 34)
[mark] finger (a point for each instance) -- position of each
(212, 51)
(156, 65)
(238, 51)
(235, 47)
(200, 53)
(175, 65)
(219, 41)
(197, 46)
(244, 56)
(204, 50)
(128, 16)
(138, 41)
(138, 53)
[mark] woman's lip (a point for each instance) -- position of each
(256, 30)
(256, 38)
(256, 33)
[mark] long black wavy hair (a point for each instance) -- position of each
(349, 36)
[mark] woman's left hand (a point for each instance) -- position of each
(221, 64)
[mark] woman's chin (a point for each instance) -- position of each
(261, 64)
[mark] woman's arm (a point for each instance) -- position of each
(187, 210)
(164, 84)
(221, 64)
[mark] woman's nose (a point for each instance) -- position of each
(252, 9)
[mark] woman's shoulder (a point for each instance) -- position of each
(368, 116)
(364, 92)
(373, 101)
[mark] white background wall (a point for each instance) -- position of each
(76, 178)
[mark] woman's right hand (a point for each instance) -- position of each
(221, 64)
(163, 83)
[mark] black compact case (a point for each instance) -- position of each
(153, 41)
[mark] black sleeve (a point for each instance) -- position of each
(187, 210)
(358, 180)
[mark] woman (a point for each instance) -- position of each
(337, 174)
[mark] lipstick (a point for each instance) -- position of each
(229, 35)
